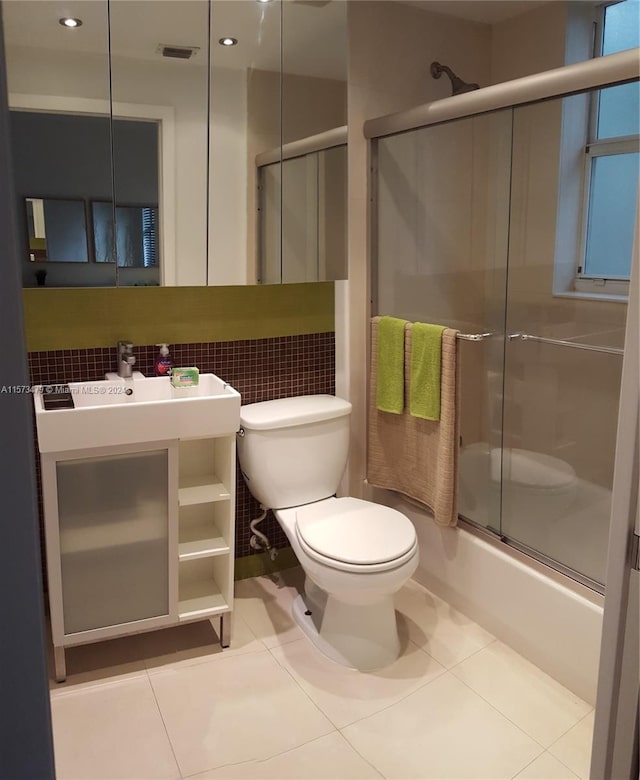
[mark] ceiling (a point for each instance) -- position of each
(487, 11)
(314, 34)
(314, 31)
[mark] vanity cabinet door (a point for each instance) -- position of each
(113, 519)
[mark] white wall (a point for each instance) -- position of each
(183, 86)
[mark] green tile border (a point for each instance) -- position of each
(84, 318)
(255, 565)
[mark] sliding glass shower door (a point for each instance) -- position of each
(563, 352)
(441, 240)
(493, 225)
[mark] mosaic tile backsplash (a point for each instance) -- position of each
(259, 369)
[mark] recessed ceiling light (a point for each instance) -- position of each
(67, 21)
(264, 1)
(228, 41)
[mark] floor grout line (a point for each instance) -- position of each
(533, 760)
(387, 706)
(466, 658)
(187, 663)
(575, 725)
(166, 730)
(284, 669)
(504, 715)
(257, 761)
(564, 733)
(248, 761)
(80, 687)
(560, 761)
(366, 760)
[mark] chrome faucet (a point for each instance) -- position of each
(126, 359)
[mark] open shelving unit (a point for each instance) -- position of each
(206, 516)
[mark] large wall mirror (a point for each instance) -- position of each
(303, 184)
(148, 127)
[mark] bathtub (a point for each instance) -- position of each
(544, 615)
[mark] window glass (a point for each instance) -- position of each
(619, 110)
(620, 106)
(612, 206)
(621, 27)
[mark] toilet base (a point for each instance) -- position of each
(360, 637)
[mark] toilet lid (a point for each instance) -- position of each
(355, 531)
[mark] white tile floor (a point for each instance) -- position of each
(457, 703)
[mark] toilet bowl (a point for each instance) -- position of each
(352, 574)
(355, 554)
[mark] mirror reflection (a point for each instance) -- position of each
(159, 70)
(60, 131)
(55, 153)
(313, 204)
(197, 129)
(135, 244)
(306, 194)
(56, 230)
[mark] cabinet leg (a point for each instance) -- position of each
(60, 664)
(225, 629)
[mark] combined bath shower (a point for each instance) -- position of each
(458, 86)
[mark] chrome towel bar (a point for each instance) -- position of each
(573, 344)
(473, 336)
(542, 340)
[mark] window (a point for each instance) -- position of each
(612, 163)
(149, 237)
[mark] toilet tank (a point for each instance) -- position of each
(293, 451)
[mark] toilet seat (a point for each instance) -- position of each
(354, 535)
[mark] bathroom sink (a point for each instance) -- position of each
(135, 411)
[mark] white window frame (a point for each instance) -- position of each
(584, 282)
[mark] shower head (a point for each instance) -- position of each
(458, 86)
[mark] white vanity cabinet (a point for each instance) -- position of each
(138, 537)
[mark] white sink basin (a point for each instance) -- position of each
(135, 411)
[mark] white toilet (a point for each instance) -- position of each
(355, 554)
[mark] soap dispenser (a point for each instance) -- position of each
(163, 364)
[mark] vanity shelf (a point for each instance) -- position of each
(203, 531)
(202, 545)
(203, 587)
(201, 492)
(200, 601)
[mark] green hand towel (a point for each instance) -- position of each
(424, 385)
(390, 366)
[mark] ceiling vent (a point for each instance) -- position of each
(177, 52)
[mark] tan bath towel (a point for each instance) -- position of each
(414, 456)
